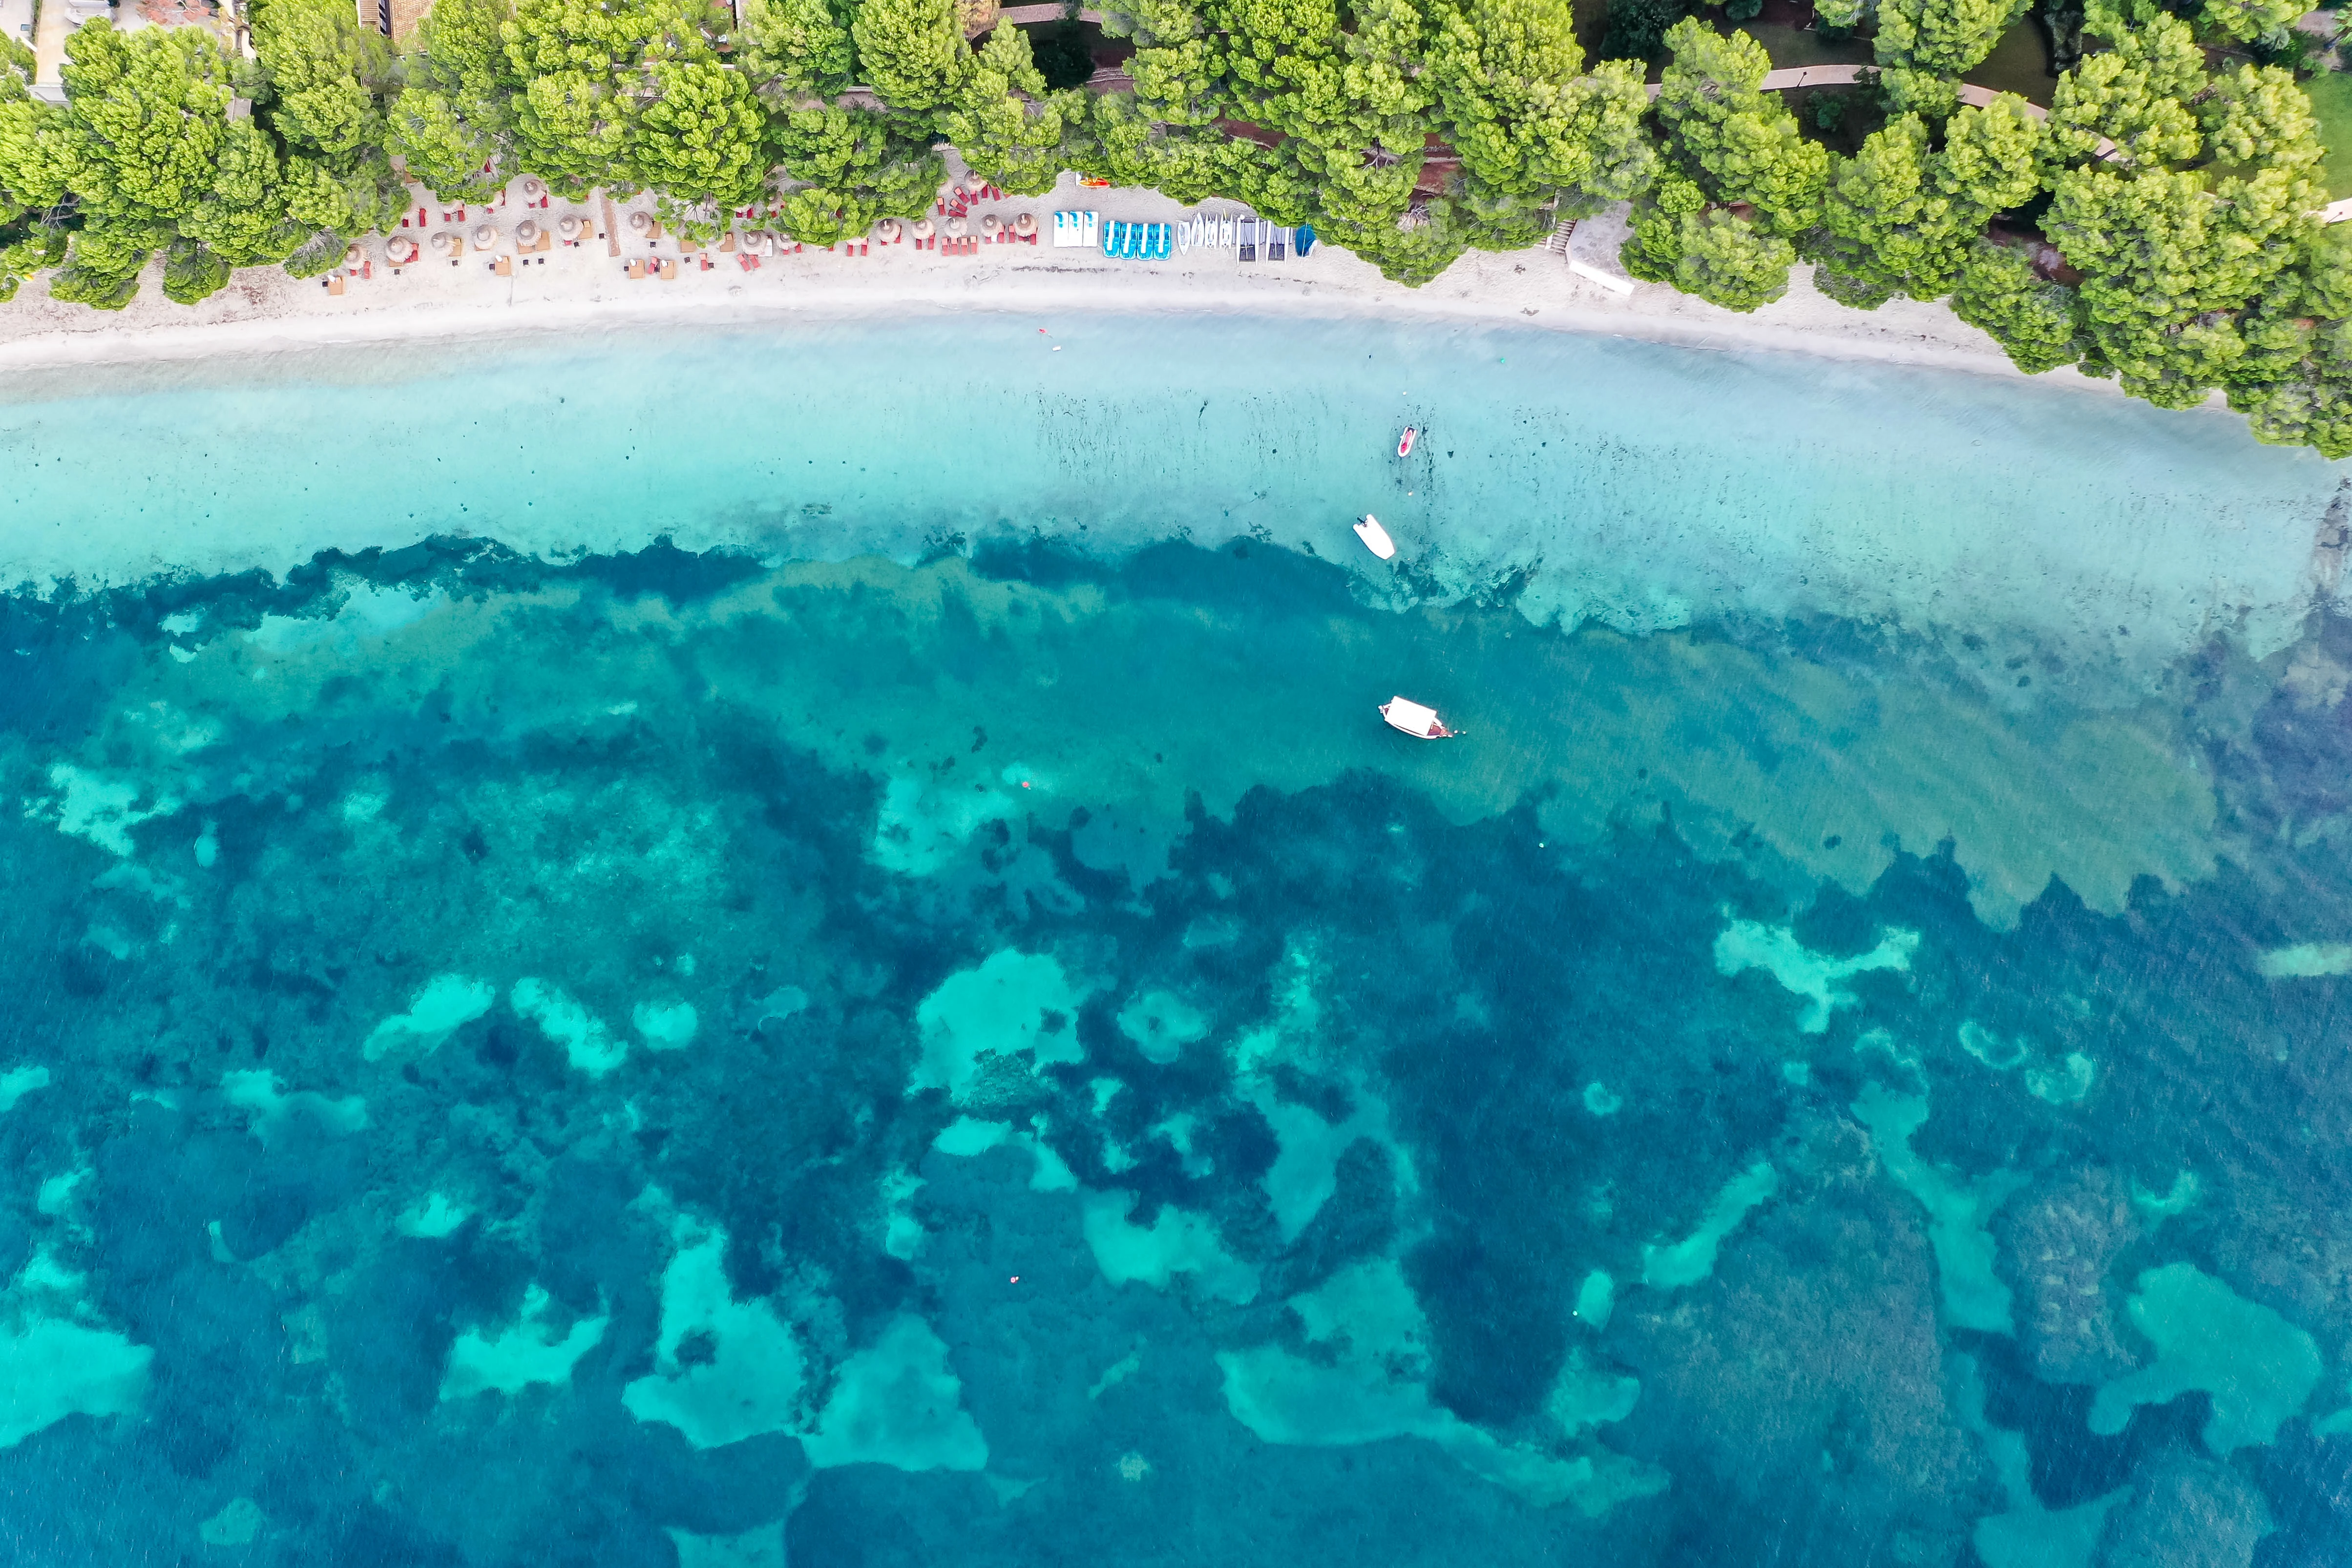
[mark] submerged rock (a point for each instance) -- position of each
(2187, 1512)
(2057, 1245)
(1805, 1378)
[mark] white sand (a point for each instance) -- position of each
(585, 289)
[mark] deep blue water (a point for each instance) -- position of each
(996, 1056)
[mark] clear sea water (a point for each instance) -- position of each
(805, 945)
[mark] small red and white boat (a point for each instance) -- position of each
(1419, 722)
(1376, 538)
(1405, 442)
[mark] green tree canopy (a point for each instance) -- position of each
(587, 73)
(1009, 128)
(1742, 144)
(327, 79)
(1730, 261)
(2294, 384)
(1944, 37)
(850, 167)
(146, 115)
(1745, 181)
(2135, 94)
(796, 49)
(2180, 238)
(454, 126)
(2033, 320)
(699, 139)
(1903, 216)
(913, 53)
(1517, 108)
(32, 174)
(1175, 64)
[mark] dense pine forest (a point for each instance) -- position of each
(2159, 224)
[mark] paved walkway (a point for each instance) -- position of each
(1846, 76)
(49, 46)
(1020, 15)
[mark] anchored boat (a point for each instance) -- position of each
(1376, 538)
(1419, 722)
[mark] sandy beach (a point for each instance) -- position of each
(584, 288)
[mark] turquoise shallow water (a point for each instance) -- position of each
(1638, 484)
(923, 1019)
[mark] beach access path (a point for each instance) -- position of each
(586, 287)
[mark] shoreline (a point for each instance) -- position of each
(584, 289)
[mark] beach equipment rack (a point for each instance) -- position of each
(1248, 236)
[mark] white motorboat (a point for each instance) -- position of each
(1376, 538)
(1419, 722)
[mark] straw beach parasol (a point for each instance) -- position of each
(958, 228)
(486, 236)
(400, 250)
(992, 226)
(1024, 223)
(571, 227)
(887, 231)
(922, 228)
(526, 234)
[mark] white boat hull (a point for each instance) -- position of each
(1414, 719)
(1376, 538)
